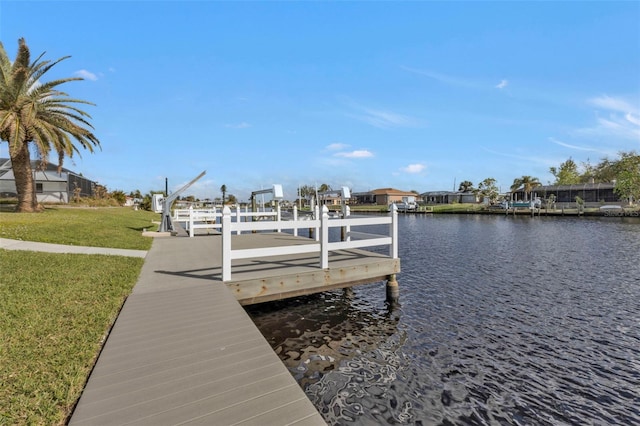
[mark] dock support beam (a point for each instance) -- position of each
(393, 290)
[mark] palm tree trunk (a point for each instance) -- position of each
(21, 165)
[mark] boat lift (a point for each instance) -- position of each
(165, 224)
(344, 193)
(276, 190)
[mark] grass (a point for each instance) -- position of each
(457, 208)
(115, 227)
(57, 308)
(56, 311)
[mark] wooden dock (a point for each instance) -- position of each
(183, 350)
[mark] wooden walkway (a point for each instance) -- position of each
(184, 351)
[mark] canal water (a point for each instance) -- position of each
(501, 320)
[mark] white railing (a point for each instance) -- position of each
(211, 218)
(322, 245)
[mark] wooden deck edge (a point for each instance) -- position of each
(252, 291)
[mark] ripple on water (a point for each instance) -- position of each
(501, 321)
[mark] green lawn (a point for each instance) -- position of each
(57, 308)
(115, 227)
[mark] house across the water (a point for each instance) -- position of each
(592, 193)
(50, 186)
(383, 197)
(448, 197)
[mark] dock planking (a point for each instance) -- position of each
(184, 351)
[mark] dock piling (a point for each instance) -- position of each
(393, 290)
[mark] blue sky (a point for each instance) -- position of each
(410, 95)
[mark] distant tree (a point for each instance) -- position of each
(588, 172)
(628, 176)
(119, 196)
(465, 186)
(223, 189)
(567, 173)
(232, 199)
(527, 182)
(605, 170)
(34, 113)
(306, 191)
(99, 191)
(488, 189)
(146, 203)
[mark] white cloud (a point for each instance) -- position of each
(614, 104)
(566, 145)
(619, 126)
(502, 84)
(384, 119)
(242, 125)
(337, 146)
(381, 118)
(414, 168)
(87, 75)
(634, 120)
(527, 158)
(447, 79)
(469, 83)
(617, 122)
(361, 153)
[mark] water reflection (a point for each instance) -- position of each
(340, 327)
(502, 321)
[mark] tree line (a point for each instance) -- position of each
(624, 172)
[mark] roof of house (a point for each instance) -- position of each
(392, 191)
(5, 164)
(574, 187)
(50, 172)
(435, 193)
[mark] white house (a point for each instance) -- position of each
(51, 186)
(448, 197)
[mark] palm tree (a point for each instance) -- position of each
(527, 182)
(223, 189)
(465, 186)
(324, 188)
(37, 113)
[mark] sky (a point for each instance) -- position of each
(414, 95)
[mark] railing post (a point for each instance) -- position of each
(324, 235)
(238, 217)
(346, 230)
(393, 251)
(295, 220)
(278, 217)
(226, 244)
(190, 221)
(316, 215)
